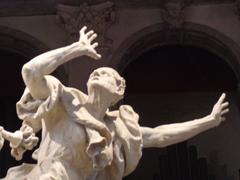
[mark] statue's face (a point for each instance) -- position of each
(103, 78)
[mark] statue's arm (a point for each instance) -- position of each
(170, 134)
(34, 71)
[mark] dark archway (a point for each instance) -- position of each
(12, 87)
(189, 35)
(170, 84)
(16, 48)
(176, 68)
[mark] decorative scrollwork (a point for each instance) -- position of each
(98, 17)
(174, 13)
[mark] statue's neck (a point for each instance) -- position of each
(97, 104)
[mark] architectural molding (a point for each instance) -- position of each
(46, 7)
(97, 17)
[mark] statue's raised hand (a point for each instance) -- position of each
(219, 110)
(85, 43)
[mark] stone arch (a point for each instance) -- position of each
(189, 34)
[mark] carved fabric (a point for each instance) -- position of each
(113, 148)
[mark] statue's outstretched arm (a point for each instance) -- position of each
(33, 72)
(170, 134)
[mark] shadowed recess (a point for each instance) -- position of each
(179, 69)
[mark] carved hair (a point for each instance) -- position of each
(121, 84)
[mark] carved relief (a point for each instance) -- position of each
(174, 13)
(98, 17)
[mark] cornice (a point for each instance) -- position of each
(46, 7)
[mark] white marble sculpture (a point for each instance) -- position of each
(81, 138)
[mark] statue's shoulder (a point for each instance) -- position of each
(54, 84)
(75, 95)
(125, 113)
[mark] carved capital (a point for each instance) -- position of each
(174, 13)
(97, 17)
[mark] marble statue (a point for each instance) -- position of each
(81, 138)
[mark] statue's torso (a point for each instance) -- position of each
(74, 145)
(65, 141)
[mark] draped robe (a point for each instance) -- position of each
(74, 144)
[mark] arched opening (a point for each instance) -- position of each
(177, 83)
(12, 87)
(16, 48)
(191, 34)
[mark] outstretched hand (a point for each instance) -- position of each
(220, 109)
(86, 44)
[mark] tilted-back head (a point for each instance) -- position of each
(110, 80)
